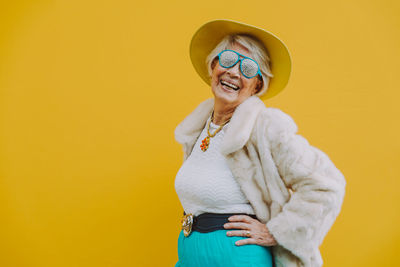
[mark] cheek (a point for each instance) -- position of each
(214, 77)
(249, 87)
(216, 73)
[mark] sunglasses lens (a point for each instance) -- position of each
(249, 67)
(228, 59)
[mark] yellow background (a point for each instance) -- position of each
(91, 92)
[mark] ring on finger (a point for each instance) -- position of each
(248, 233)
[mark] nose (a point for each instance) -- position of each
(234, 71)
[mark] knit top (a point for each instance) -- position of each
(204, 183)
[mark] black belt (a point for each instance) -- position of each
(207, 222)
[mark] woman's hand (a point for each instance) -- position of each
(259, 233)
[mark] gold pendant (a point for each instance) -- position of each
(205, 143)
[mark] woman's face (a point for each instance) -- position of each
(226, 94)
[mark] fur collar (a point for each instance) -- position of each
(238, 130)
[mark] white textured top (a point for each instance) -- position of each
(204, 183)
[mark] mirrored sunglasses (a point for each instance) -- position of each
(248, 67)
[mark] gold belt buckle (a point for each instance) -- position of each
(187, 223)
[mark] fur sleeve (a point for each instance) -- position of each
(318, 189)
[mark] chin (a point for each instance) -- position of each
(223, 95)
(226, 98)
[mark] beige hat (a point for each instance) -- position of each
(210, 34)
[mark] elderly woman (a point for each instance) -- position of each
(254, 192)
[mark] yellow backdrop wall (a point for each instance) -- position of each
(90, 94)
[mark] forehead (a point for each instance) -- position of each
(240, 49)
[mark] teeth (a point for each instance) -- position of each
(230, 85)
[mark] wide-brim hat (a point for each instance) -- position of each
(211, 33)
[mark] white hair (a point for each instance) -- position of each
(257, 50)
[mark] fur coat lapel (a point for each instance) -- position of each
(238, 130)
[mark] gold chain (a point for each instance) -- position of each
(216, 131)
(206, 141)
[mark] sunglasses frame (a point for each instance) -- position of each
(241, 60)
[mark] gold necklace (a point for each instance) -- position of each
(206, 141)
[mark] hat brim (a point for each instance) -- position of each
(211, 33)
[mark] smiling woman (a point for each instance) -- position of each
(253, 47)
(254, 192)
(223, 83)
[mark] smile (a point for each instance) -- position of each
(229, 85)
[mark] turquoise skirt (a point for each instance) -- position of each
(216, 249)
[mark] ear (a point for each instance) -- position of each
(259, 86)
(214, 62)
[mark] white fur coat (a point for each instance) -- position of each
(293, 187)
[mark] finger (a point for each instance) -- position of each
(237, 225)
(245, 241)
(243, 218)
(238, 233)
